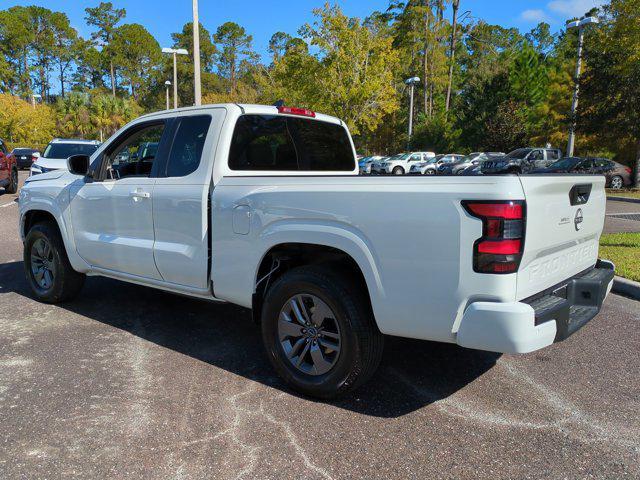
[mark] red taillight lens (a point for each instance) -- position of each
(499, 250)
(628, 169)
(501, 247)
(511, 210)
(297, 111)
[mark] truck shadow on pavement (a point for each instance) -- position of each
(413, 373)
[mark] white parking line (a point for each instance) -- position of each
(622, 214)
(8, 204)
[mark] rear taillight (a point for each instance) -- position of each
(297, 111)
(499, 250)
(628, 169)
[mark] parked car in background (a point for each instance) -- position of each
(401, 163)
(55, 155)
(431, 166)
(238, 210)
(456, 168)
(618, 175)
(25, 157)
(522, 160)
(8, 170)
(364, 164)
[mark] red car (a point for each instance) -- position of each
(8, 170)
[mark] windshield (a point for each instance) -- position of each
(400, 156)
(520, 153)
(565, 163)
(466, 159)
(65, 150)
(22, 151)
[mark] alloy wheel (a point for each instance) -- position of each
(309, 334)
(42, 264)
(616, 183)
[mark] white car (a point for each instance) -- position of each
(430, 167)
(401, 163)
(55, 155)
(231, 207)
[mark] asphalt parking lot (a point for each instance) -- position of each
(129, 382)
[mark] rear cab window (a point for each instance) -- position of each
(289, 144)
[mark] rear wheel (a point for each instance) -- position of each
(319, 332)
(12, 187)
(617, 183)
(429, 172)
(398, 171)
(51, 277)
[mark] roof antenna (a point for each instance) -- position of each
(279, 103)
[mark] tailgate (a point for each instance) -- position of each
(565, 216)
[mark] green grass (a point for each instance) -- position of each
(623, 249)
(624, 193)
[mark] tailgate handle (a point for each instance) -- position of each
(579, 194)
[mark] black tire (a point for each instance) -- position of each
(398, 171)
(361, 343)
(12, 187)
(429, 172)
(66, 283)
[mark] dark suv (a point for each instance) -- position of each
(522, 160)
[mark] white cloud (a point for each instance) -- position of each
(573, 8)
(535, 15)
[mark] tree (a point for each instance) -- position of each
(610, 88)
(234, 48)
(21, 124)
(350, 74)
(506, 130)
(67, 46)
(138, 55)
(15, 47)
(105, 18)
(40, 21)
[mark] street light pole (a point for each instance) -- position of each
(167, 84)
(175, 52)
(196, 55)
(579, 24)
(412, 83)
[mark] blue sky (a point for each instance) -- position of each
(262, 18)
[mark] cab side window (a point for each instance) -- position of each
(135, 153)
(536, 155)
(188, 144)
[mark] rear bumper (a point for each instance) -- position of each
(531, 324)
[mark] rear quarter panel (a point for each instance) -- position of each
(409, 235)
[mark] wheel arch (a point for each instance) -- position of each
(43, 212)
(280, 257)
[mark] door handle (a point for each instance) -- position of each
(138, 194)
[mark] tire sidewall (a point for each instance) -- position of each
(349, 361)
(398, 171)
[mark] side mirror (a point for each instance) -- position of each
(78, 164)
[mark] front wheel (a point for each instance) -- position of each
(429, 172)
(398, 171)
(319, 332)
(49, 273)
(13, 181)
(617, 183)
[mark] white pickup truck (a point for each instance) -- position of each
(263, 207)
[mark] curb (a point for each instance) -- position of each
(623, 199)
(625, 287)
